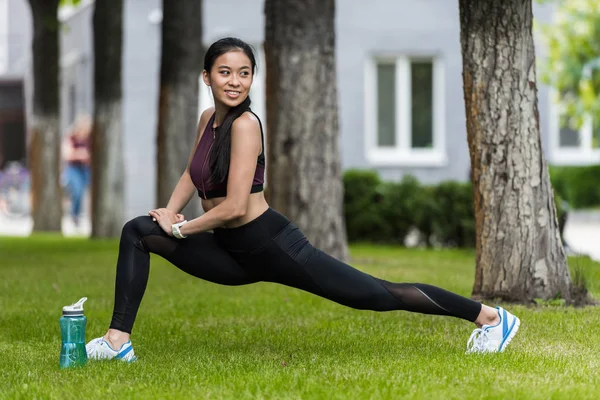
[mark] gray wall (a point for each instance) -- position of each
(19, 36)
(141, 66)
(77, 66)
(384, 26)
(406, 27)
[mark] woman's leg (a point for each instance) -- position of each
(77, 190)
(197, 255)
(291, 260)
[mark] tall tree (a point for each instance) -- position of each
(519, 252)
(303, 157)
(181, 65)
(108, 193)
(44, 145)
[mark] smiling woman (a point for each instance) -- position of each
(251, 242)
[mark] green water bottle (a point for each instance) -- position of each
(72, 327)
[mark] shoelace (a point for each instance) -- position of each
(478, 341)
(95, 348)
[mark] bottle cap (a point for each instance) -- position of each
(74, 310)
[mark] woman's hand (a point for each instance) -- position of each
(166, 218)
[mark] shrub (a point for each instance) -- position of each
(385, 212)
(454, 215)
(362, 210)
(400, 205)
(579, 186)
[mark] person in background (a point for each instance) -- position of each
(76, 154)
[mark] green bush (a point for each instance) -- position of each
(578, 186)
(425, 214)
(400, 205)
(454, 214)
(362, 210)
(385, 212)
(379, 211)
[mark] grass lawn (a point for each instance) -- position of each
(199, 340)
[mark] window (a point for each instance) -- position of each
(404, 111)
(570, 145)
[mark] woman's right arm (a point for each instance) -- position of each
(185, 189)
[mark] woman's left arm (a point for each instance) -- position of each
(245, 149)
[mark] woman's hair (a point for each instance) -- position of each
(220, 152)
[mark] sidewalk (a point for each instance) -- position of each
(23, 226)
(582, 233)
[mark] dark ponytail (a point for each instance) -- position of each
(220, 153)
(221, 150)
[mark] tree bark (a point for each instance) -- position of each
(181, 65)
(44, 144)
(108, 195)
(520, 256)
(303, 157)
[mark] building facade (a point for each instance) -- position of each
(399, 77)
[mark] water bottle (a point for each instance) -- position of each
(72, 327)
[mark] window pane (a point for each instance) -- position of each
(422, 104)
(386, 105)
(568, 137)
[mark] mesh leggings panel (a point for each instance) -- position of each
(428, 299)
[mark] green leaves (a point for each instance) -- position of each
(573, 63)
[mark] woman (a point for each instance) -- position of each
(76, 153)
(251, 241)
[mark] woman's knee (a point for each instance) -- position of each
(138, 226)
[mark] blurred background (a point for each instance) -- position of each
(400, 99)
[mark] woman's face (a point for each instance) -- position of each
(230, 78)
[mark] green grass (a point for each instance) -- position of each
(199, 340)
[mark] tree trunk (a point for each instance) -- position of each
(520, 256)
(303, 164)
(44, 145)
(181, 65)
(108, 195)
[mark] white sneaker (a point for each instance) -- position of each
(99, 349)
(494, 339)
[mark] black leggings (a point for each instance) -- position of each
(269, 249)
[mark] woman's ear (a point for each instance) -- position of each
(205, 78)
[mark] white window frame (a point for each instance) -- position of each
(582, 155)
(402, 154)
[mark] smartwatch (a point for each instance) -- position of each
(176, 231)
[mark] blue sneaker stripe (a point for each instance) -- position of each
(124, 353)
(508, 333)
